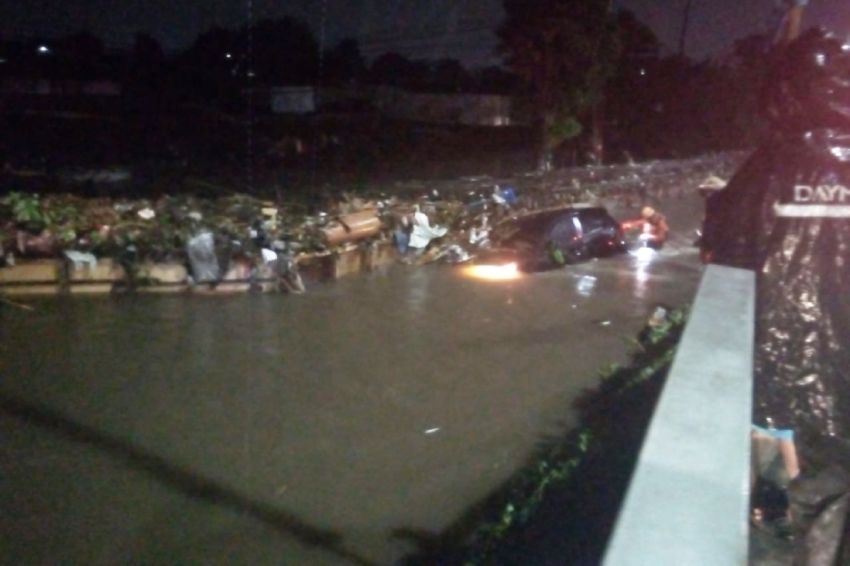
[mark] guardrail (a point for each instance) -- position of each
(688, 501)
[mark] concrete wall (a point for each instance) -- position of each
(52, 277)
(465, 109)
(688, 500)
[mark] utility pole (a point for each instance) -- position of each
(686, 21)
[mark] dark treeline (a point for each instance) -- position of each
(655, 106)
(279, 52)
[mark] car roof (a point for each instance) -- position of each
(549, 214)
(537, 224)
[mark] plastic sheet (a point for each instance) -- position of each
(203, 259)
(423, 232)
(786, 214)
(80, 259)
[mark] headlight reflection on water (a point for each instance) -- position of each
(643, 258)
(644, 255)
(505, 272)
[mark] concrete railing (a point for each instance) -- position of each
(688, 500)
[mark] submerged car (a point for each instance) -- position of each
(552, 238)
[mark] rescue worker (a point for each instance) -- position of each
(653, 227)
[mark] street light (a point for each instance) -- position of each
(43, 49)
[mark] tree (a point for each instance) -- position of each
(82, 55)
(146, 51)
(344, 63)
(565, 51)
(397, 70)
(146, 72)
(209, 52)
(495, 80)
(633, 95)
(449, 75)
(208, 69)
(82, 46)
(282, 51)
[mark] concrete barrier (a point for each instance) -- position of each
(688, 500)
(50, 277)
(35, 277)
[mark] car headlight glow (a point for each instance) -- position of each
(504, 272)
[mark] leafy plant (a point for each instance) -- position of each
(564, 51)
(563, 128)
(27, 209)
(559, 464)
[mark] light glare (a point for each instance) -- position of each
(505, 272)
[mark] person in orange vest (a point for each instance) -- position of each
(653, 227)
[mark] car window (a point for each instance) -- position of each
(565, 229)
(595, 218)
(561, 226)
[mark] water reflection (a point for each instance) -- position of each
(417, 292)
(643, 258)
(586, 285)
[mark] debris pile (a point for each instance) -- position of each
(446, 221)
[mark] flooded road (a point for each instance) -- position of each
(314, 429)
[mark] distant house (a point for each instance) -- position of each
(309, 99)
(455, 108)
(293, 99)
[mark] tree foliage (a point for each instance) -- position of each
(344, 64)
(449, 75)
(285, 51)
(397, 70)
(564, 50)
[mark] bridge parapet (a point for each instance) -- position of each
(688, 501)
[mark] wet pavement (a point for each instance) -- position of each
(316, 429)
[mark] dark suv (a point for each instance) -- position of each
(551, 238)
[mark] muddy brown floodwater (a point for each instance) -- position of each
(301, 429)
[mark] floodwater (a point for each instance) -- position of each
(335, 427)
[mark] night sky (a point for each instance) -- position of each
(432, 29)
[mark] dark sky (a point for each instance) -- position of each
(417, 28)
